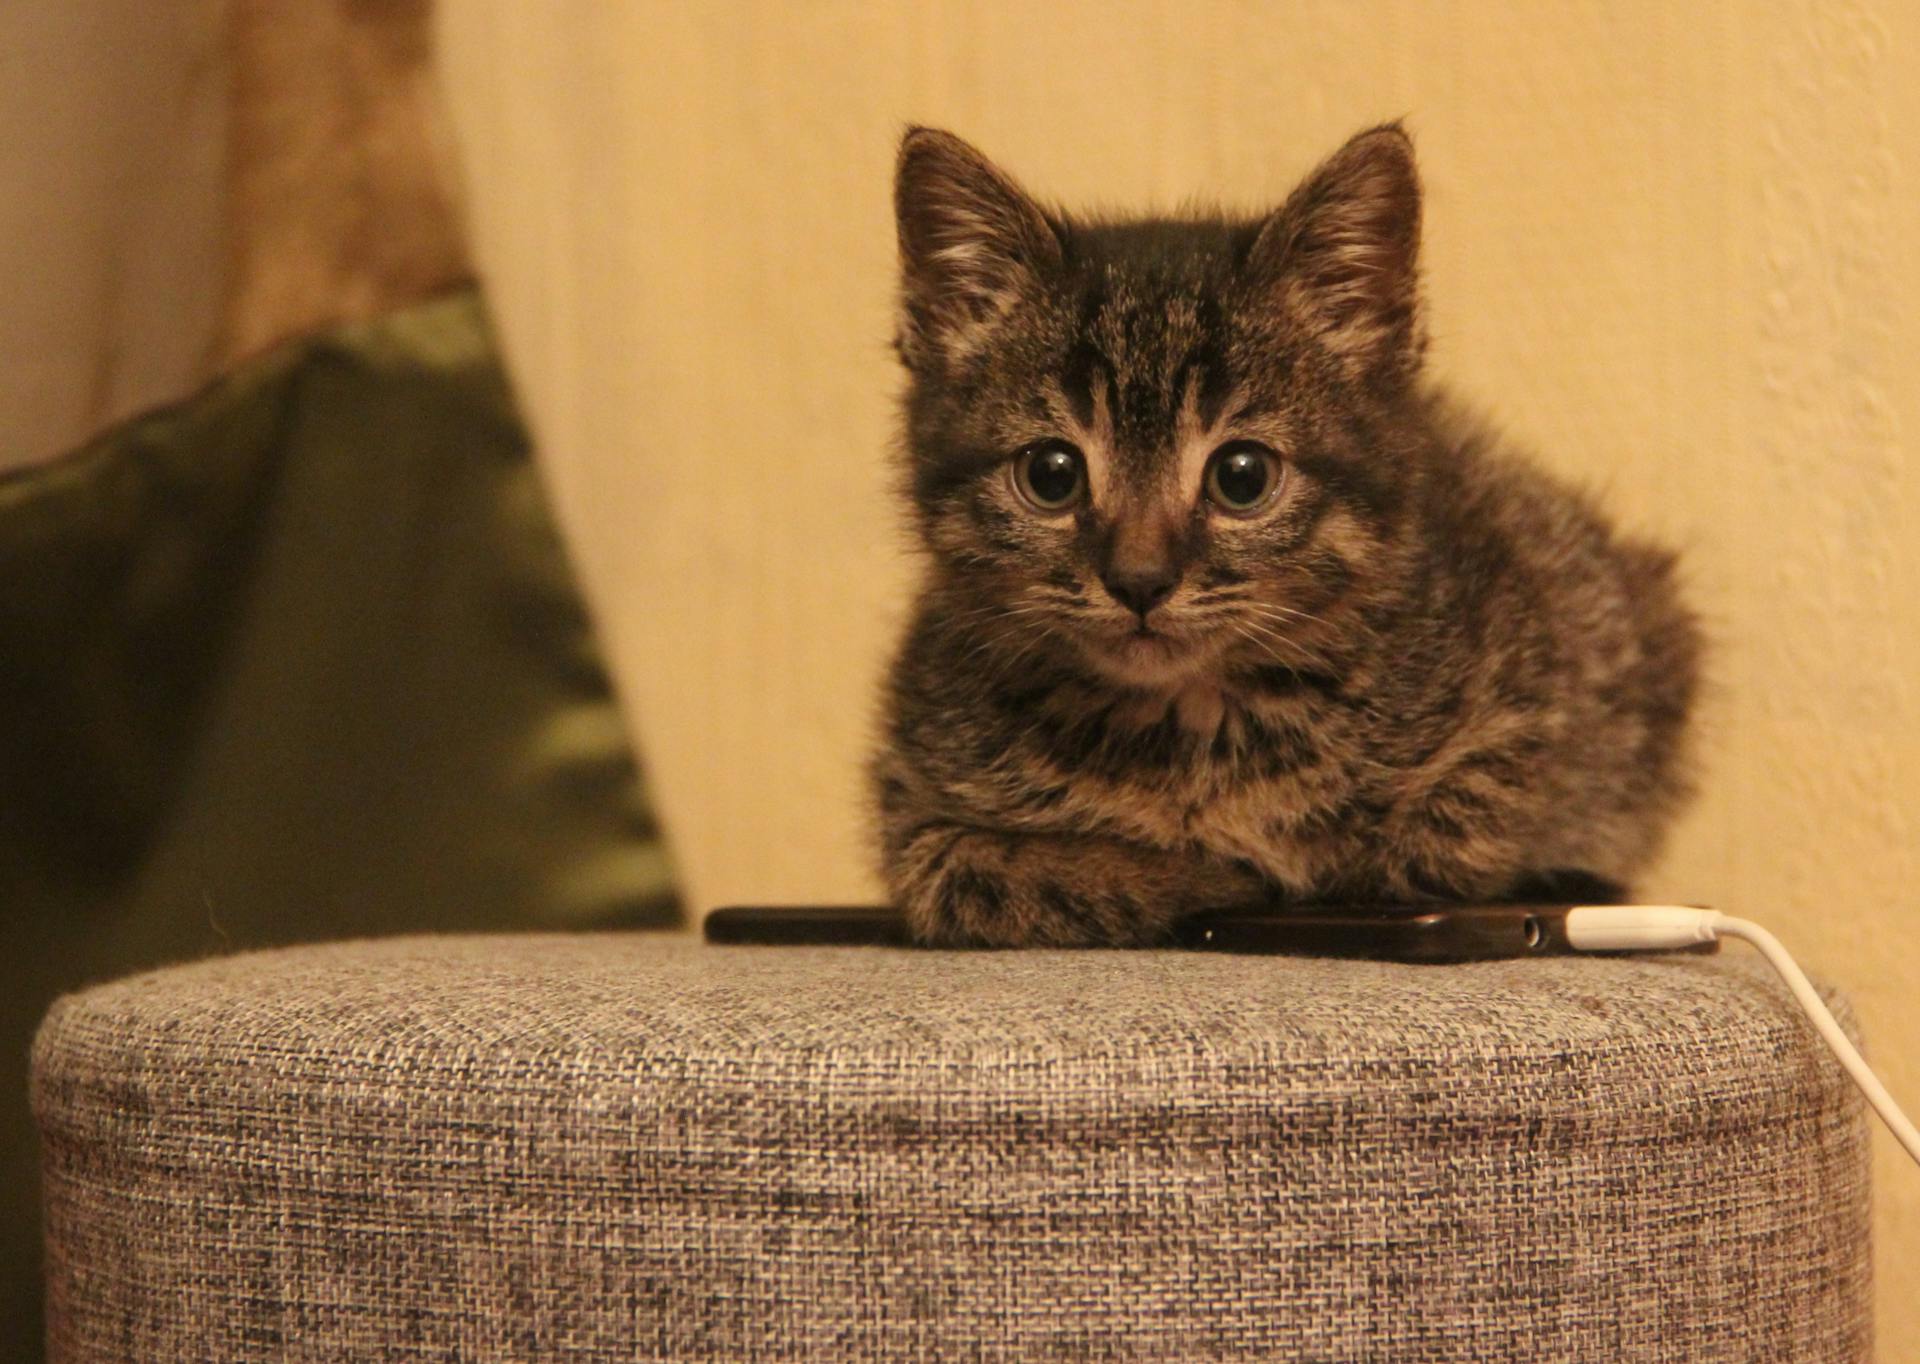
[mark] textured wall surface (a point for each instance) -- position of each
(1672, 247)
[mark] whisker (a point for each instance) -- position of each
(1019, 655)
(1276, 610)
(1246, 634)
(1276, 637)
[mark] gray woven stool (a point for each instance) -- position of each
(619, 1147)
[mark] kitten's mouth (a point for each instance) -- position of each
(1143, 637)
(1144, 656)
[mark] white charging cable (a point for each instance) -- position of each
(1652, 928)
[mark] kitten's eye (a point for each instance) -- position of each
(1243, 476)
(1050, 474)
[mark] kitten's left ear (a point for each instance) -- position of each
(972, 244)
(1343, 254)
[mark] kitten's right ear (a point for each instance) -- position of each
(1343, 254)
(972, 243)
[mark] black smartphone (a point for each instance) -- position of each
(1470, 932)
(1417, 933)
(808, 926)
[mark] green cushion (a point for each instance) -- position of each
(299, 658)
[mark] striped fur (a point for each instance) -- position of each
(1424, 671)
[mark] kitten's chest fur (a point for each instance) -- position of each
(1261, 774)
(1238, 773)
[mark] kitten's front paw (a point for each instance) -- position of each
(988, 889)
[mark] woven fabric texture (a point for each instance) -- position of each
(616, 1147)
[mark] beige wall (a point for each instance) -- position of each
(1672, 246)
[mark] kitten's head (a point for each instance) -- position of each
(1167, 445)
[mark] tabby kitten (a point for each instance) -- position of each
(1224, 604)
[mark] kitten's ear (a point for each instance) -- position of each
(1343, 254)
(971, 245)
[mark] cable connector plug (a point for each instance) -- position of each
(1640, 928)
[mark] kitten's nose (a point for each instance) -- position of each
(1142, 588)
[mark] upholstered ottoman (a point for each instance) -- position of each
(619, 1147)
